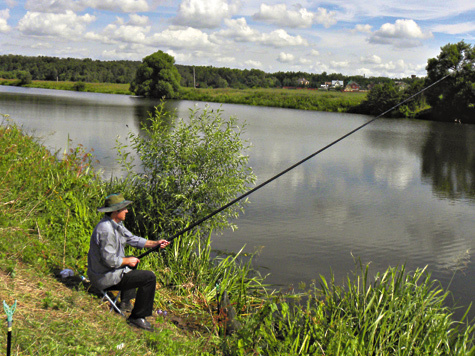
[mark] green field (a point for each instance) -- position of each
(304, 99)
(107, 88)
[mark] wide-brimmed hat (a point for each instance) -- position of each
(114, 202)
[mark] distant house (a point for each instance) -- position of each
(303, 82)
(334, 84)
(352, 86)
(337, 83)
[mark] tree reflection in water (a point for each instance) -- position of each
(448, 161)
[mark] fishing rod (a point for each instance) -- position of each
(217, 211)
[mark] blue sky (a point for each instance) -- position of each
(391, 38)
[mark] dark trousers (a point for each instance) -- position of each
(142, 281)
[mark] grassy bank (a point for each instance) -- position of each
(319, 100)
(45, 223)
(105, 88)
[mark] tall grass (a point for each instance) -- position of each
(398, 313)
(49, 196)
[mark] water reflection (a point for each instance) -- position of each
(449, 161)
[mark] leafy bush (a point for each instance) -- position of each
(79, 86)
(188, 169)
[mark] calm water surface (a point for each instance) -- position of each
(397, 192)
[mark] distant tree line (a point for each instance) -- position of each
(69, 69)
(88, 70)
(211, 77)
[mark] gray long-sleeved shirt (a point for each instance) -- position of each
(106, 252)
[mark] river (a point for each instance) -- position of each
(396, 192)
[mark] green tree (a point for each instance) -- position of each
(157, 77)
(24, 77)
(79, 86)
(454, 98)
(417, 103)
(189, 168)
(381, 98)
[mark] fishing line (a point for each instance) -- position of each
(209, 216)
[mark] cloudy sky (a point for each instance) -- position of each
(391, 38)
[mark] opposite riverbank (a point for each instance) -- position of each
(303, 99)
(297, 98)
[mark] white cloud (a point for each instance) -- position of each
(137, 20)
(315, 52)
(253, 64)
(205, 13)
(187, 57)
(371, 59)
(285, 57)
(61, 6)
(325, 18)
(415, 9)
(281, 16)
(455, 29)
(227, 60)
(117, 5)
(41, 45)
(127, 51)
(53, 6)
(133, 32)
(280, 38)
(4, 16)
(363, 28)
(126, 33)
(238, 30)
(364, 71)
(320, 67)
(403, 33)
(180, 37)
(339, 65)
(399, 65)
(67, 25)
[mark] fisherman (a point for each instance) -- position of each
(110, 269)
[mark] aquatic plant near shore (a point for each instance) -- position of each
(398, 314)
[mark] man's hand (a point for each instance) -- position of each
(130, 261)
(152, 243)
(163, 243)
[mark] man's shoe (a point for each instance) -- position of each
(140, 323)
(125, 307)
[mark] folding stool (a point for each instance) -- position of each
(113, 302)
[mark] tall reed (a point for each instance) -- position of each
(398, 313)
